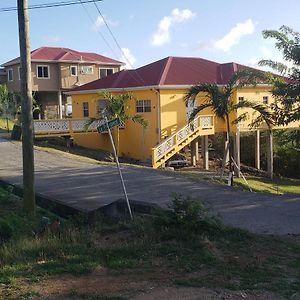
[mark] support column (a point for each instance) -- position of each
(197, 148)
(204, 150)
(60, 104)
(257, 149)
(270, 154)
(237, 153)
(193, 153)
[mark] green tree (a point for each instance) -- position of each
(220, 100)
(8, 104)
(286, 90)
(115, 108)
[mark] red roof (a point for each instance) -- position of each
(56, 54)
(168, 71)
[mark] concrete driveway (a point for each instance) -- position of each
(87, 186)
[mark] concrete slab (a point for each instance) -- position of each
(87, 187)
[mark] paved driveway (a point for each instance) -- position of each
(88, 186)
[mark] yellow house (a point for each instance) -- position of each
(159, 89)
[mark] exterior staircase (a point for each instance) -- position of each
(202, 125)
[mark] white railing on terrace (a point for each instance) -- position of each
(201, 122)
(64, 126)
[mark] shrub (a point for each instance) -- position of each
(6, 230)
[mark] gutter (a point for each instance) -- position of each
(158, 129)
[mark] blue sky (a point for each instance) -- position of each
(218, 30)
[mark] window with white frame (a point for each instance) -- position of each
(73, 70)
(87, 70)
(103, 72)
(10, 75)
(265, 100)
(240, 99)
(143, 106)
(43, 72)
(85, 109)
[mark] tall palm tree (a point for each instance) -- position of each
(220, 100)
(115, 108)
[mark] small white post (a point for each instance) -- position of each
(119, 169)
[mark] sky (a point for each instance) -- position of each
(146, 31)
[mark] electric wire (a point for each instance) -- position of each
(118, 45)
(49, 5)
(100, 34)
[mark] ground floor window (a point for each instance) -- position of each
(143, 106)
(85, 107)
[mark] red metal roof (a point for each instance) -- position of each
(56, 54)
(168, 71)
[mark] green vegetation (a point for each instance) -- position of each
(4, 122)
(183, 241)
(286, 92)
(219, 99)
(266, 185)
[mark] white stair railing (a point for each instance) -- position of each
(200, 123)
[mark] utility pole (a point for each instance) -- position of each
(26, 105)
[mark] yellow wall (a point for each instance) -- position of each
(256, 94)
(135, 141)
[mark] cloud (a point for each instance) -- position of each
(51, 39)
(128, 58)
(100, 23)
(232, 38)
(162, 34)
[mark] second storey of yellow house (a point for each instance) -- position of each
(158, 94)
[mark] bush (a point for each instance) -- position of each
(6, 230)
(185, 218)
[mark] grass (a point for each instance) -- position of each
(276, 186)
(197, 249)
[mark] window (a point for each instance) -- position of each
(10, 75)
(19, 72)
(143, 106)
(73, 70)
(85, 107)
(240, 99)
(43, 72)
(265, 100)
(105, 72)
(101, 104)
(87, 70)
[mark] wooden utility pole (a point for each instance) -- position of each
(26, 104)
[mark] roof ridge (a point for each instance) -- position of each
(165, 70)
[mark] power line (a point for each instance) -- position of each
(101, 35)
(117, 43)
(50, 5)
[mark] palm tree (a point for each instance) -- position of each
(285, 90)
(115, 108)
(220, 100)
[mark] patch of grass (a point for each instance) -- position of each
(184, 240)
(94, 296)
(276, 186)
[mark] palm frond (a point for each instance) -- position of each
(275, 65)
(198, 109)
(140, 120)
(209, 88)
